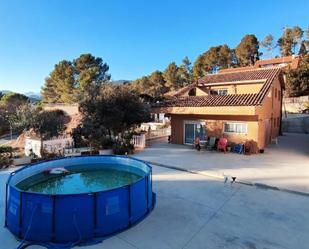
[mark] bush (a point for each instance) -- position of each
(5, 162)
(123, 149)
(6, 149)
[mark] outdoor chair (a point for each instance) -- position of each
(222, 144)
(238, 148)
(210, 144)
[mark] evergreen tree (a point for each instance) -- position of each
(171, 77)
(247, 51)
(302, 50)
(268, 43)
(91, 73)
(72, 81)
(289, 40)
(48, 92)
(185, 72)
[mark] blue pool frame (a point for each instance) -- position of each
(75, 218)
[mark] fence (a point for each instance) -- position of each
(139, 141)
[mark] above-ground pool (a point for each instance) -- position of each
(96, 196)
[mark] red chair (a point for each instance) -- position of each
(222, 144)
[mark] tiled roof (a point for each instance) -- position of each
(292, 61)
(182, 91)
(212, 100)
(244, 75)
(236, 69)
(252, 99)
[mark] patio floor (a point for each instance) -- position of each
(195, 211)
(285, 165)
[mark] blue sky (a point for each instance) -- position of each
(133, 37)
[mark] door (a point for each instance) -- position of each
(189, 133)
(193, 129)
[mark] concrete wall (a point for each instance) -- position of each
(295, 105)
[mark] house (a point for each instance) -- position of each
(243, 104)
(284, 62)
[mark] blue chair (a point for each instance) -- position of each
(238, 148)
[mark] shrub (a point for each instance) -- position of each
(5, 162)
(122, 148)
(6, 149)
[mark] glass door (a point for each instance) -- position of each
(194, 129)
(189, 133)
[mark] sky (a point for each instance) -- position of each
(133, 37)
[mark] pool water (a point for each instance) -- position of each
(78, 181)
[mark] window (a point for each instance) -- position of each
(279, 95)
(240, 128)
(218, 92)
(192, 92)
(275, 92)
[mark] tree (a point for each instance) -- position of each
(212, 60)
(117, 110)
(268, 43)
(61, 84)
(91, 74)
(48, 91)
(297, 80)
(48, 124)
(247, 51)
(9, 104)
(198, 68)
(289, 40)
(171, 77)
(72, 81)
(185, 72)
(302, 49)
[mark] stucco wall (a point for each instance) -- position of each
(269, 114)
(214, 128)
(234, 88)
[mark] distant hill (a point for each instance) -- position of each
(5, 91)
(33, 97)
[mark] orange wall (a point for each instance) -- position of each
(213, 128)
(234, 88)
(269, 114)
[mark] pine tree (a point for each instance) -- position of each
(247, 51)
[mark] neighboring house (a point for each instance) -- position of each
(291, 62)
(241, 105)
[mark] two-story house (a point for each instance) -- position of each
(240, 105)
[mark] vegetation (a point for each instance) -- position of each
(48, 124)
(153, 87)
(71, 81)
(297, 80)
(111, 117)
(12, 112)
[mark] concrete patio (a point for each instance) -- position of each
(285, 165)
(198, 211)
(195, 211)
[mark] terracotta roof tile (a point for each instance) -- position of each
(250, 99)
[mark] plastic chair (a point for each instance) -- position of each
(210, 143)
(222, 144)
(238, 148)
